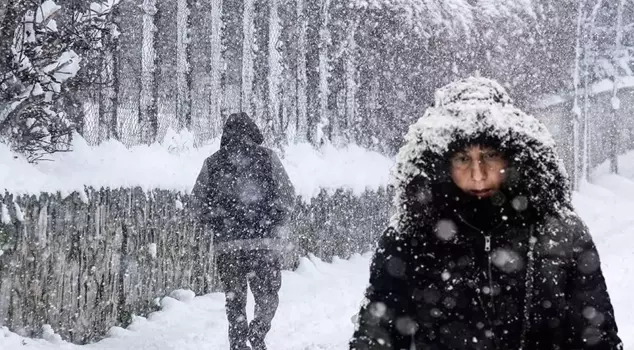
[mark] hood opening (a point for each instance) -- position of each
(477, 111)
(440, 191)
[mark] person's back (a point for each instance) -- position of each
(244, 191)
(244, 196)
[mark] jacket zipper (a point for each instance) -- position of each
(487, 250)
(529, 282)
(488, 275)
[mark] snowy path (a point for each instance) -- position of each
(317, 303)
(318, 300)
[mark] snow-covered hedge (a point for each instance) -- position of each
(174, 164)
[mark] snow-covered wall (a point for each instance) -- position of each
(175, 163)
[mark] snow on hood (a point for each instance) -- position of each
(472, 109)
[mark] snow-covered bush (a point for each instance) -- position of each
(176, 143)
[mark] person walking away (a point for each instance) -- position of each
(245, 196)
(485, 250)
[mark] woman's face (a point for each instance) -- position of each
(479, 171)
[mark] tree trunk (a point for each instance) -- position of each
(585, 160)
(616, 103)
(232, 39)
(350, 70)
(262, 68)
(114, 122)
(148, 111)
(324, 39)
(313, 11)
(130, 68)
(576, 110)
(301, 103)
(215, 88)
(108, 98)
(108, 87)
(246, 100)
(614, 134)
(166, 20)
(199, 49)
(274, 70)
(183, 76)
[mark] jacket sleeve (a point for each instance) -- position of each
(383, 322)
(202, 199)
(591, 314)
(284, 190)
(200, 191)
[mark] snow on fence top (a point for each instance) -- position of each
(175, 163)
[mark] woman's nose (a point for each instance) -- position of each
(478, 171)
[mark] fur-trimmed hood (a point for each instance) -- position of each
(466, 112)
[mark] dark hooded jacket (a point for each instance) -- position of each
(242, 191)
(516, 271)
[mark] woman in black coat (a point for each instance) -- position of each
(485, 250)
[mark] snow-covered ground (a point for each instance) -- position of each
(319, 300)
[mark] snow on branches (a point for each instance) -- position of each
(42, 57)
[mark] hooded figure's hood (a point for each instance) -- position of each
(240, 129)
(477, 111)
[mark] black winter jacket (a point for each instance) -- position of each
(517, 271)
(483, 290)
(242, 191)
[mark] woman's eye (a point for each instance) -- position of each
(491, 156)
(461, 159)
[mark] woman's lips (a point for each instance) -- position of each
(481, 193)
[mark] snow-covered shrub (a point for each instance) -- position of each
(178, 142)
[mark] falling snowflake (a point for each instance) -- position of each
(446, 230)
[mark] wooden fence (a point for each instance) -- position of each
(88, 261)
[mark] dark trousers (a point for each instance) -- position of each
(262, 269)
